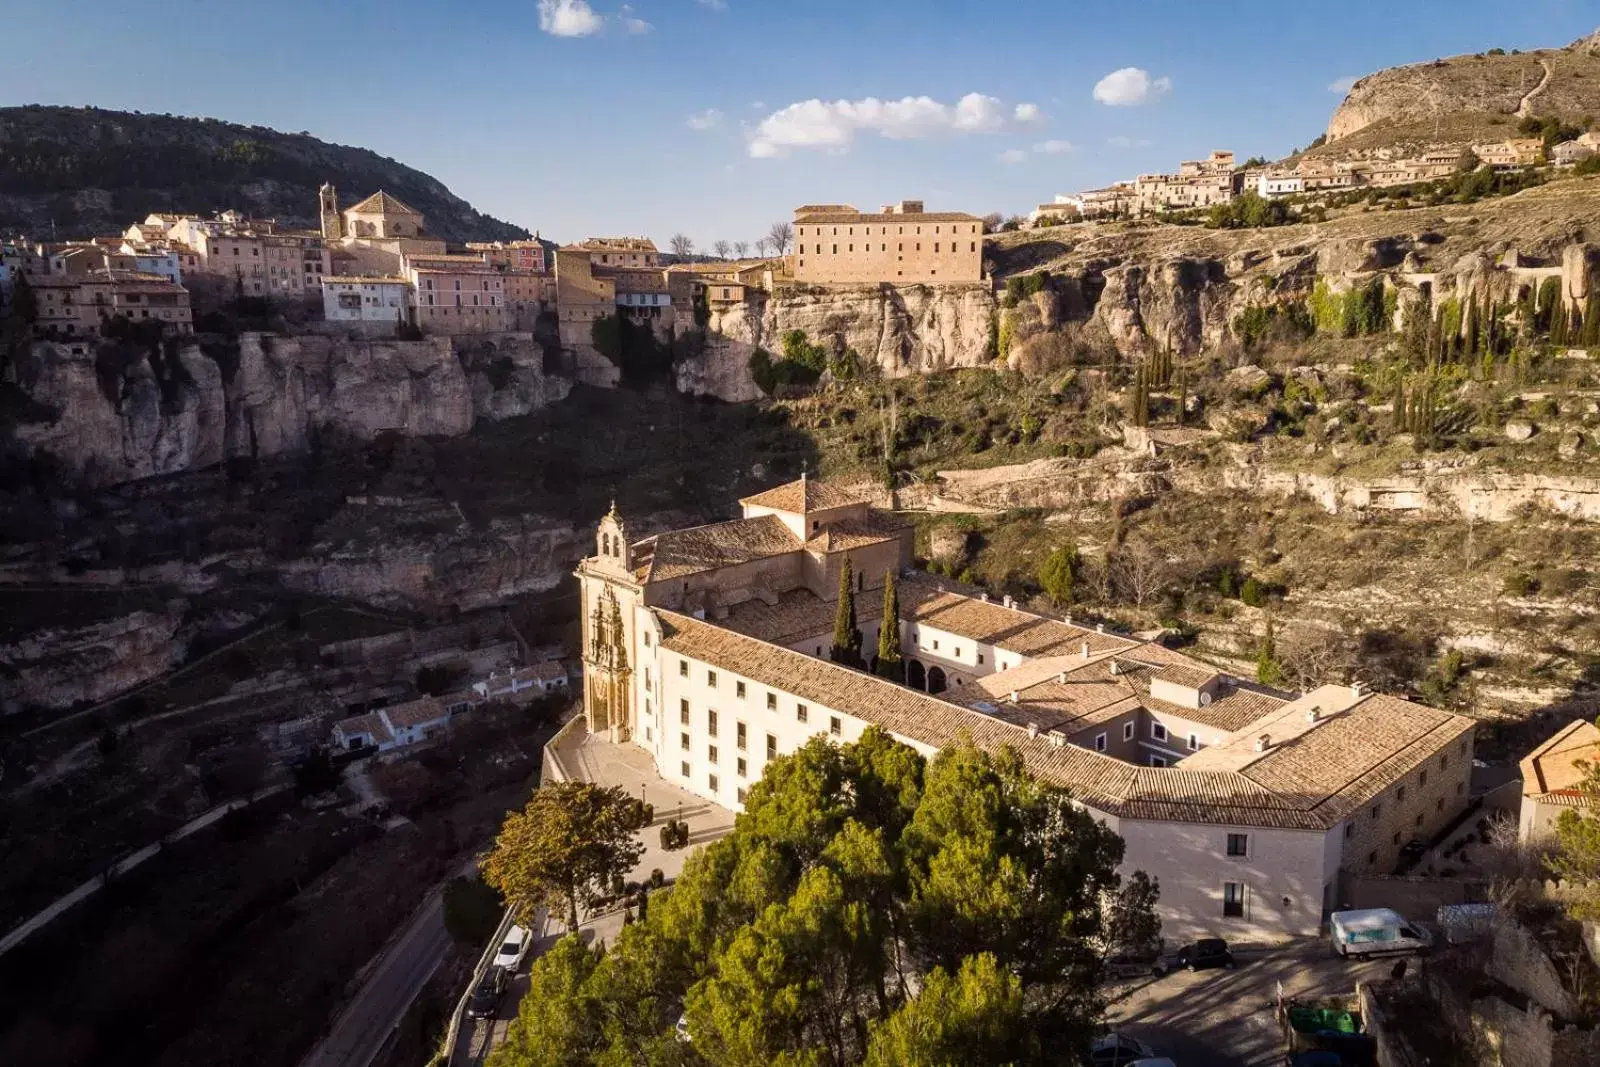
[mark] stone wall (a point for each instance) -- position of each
(1522, 963)
(1393, 1047)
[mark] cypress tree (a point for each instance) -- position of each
(1398, 416)
(1470, 326)
(846, 637)
(889, 665)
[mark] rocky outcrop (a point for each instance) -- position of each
(113, 414)
(62, 666)
(911, 330)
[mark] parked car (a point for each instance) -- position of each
(1203, 954)
(514, 949)
(1119, 1050)
(486, 997)
(1376, 932)
(1123, 965)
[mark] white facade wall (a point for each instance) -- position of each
(365, 301)
(1285, 877)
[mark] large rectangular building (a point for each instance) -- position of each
(900, 245)
(708, 649)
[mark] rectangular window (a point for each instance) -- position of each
(683, 712)
(738, 690)
(685, 769)
(1400, 794)
(740, 794)
(647, 677)
(772, 701)
(1099, 742)
(1158, 761)
(683, 668)
(711, 679)
(1127, 731)
(1377, 809)
(1238, 845)
(683, 742)
(739, 766)
(1194, 742)
(711, 780)
(1233, 900)
(711, 753)
(772, 747)
(1349, 830)
(1158, 731)
(800, 713)
(835, 727)
(980, 659)
(711, 722)
(738, 736)
(1422, 779)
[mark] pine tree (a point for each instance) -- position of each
(889, 664)
(846, 637)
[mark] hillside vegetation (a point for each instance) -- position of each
(1468, 97)
(80, 171)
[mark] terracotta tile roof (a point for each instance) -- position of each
(877, 217)
(991, 623)
(1191, 677)
(381, 203)
(877, 527)
(371, 723)
(680, 553)
(1552, 767)
(1234, 707)
(1310, 785)
(797, 615)
(804, 496)
(414, 713)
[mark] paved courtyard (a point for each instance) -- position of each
(593, 759)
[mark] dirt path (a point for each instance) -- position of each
(1525, 109)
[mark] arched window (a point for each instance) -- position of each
(936, 682)
(605, 544)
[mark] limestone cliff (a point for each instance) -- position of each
(115, 414)
(60, 666)
(911, 330)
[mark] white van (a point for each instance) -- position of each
(1376, 932)
(513, 950)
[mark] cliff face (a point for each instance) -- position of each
(57, 667)
(913, 330)
(116, 415)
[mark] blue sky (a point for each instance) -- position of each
(587, 117)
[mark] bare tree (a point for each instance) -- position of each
(1139, 572)
(682, 245)
(992, 221)
(721, 249)
(781, 234)
(741, 248)
(762, 245)
(1315, 655)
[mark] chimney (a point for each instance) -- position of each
(1012, 696)
(1062, 678)
(1358, 690)
(984, 596)
(1057, 738)
(1313, 713)
(1010, 603)
(1086, 650)
(1033, 729)
(1116, 668)
(1099, 627)
(1263, 742)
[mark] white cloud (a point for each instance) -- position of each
(1053, 148)
(1028, 113)
(709, 119)
(568, 18)
(833, 125)
(715, 5)
(631, 22)
(1343, 85)
(1120, 141)
(1130, 87)
(1013, 155)
(757, 105)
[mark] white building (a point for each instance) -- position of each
(1278, 183)
(357, 299)
(523, 683)
(705, 648)
(155, 259)
(390, 728)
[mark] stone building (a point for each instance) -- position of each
(708, 649)
(76, 306)
(458, 299)
(374, 299)
(518, 255)
(900, 245)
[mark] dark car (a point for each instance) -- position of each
(1202, 954)
(486, 998)
(1125, 965)
(1118, 1050)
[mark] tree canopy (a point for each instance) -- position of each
(868, 907)
(565, 849)
(846, 633)
(1057, 574)
(1577, 857)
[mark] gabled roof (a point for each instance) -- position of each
(804, 496)
(381, 203)
(1552, 767)
(680, 553)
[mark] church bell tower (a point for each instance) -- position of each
(332, 223)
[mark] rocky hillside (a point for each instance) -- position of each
(88, 170)
(121, 413)
(1469, 97)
